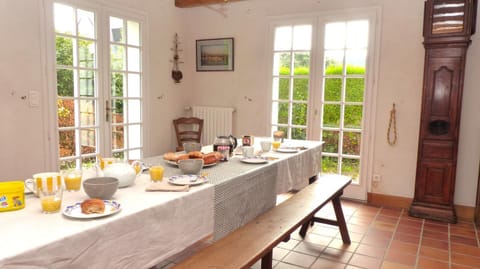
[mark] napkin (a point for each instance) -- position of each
(165, 186)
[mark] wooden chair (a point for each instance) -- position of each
(187, 130)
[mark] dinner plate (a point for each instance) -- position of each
(287, 150)
(254, 160)
(187, 180)
(176, 164)
(75, 210)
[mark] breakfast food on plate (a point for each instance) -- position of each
(209, 159)
(183, 157)
(170, 156)
(90, 206)
(195, 155)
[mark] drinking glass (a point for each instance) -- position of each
(156, 173)
(72, 179)
(51, 199)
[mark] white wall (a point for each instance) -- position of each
(24, 137)
(400, 80)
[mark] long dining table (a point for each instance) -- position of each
(152, 226)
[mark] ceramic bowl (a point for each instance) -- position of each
(192, 146)
(100, 187)
(190, 166)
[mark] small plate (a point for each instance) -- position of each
(75, 210)
(287, 150)
(176, 164)
(191, 180)
(254, 160)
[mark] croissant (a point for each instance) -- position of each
(90, 206)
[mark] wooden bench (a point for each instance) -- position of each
(256, 240)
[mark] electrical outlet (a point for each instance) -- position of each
(377, 178)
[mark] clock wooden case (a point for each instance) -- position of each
(448, 26)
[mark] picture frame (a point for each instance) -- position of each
(215, 54)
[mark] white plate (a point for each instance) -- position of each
(287, 150)
(254, 160)
(187, 180)
(176, 164)
(75, 210)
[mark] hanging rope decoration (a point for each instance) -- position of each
(392, 122)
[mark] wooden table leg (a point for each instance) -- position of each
(342, 225)
(267, 260)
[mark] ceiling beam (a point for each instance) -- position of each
(193, 3)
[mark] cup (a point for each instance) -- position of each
(276, 144)
(248, 151)
(156, 173)
(51, 199)
(47, 181)
(72, 179)
(266, 145)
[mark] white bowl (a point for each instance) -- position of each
(190, 166)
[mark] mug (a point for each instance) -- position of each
(248, 151)
(44, 181)
(265, 145)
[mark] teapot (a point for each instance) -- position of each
(124, 172)
(225, 143)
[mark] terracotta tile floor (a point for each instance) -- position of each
(382, 238)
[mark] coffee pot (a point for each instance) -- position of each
(225, 144)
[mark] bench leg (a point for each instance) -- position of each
(342, 225)
(303, 230)
(267, 260)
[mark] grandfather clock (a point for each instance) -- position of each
(447, 28)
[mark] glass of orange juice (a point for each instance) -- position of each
(275, 144)
(51, 199)
(72, 179)
(156, 173)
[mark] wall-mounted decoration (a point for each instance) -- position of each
(215, 54)
(176, 73)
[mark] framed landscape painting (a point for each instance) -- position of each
(215, 54)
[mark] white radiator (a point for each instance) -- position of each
(216, 121)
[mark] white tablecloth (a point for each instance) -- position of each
(150, 227)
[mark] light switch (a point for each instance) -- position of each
(33, 98)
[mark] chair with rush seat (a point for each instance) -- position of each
(187, 130)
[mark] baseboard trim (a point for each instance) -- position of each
(464, 213)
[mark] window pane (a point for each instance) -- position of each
(134, 136)
(331, 116)
(283, 38)
(64, 50)
(354, 89)
(86, 53)
(301, 63)
(335, 35)
(133, 33)
(86, 23)
(87, 141)
(134, 154)
(282, 113)
(351, 168)
(65, 113)
(119, 155)
(116, 30)
(117, 57)
(299, 114)
(117, 137)
(300, 89)
(333, 89)
(356, 61)
(281, 64)
(357, 34)
(299, 133)
(67, 143)
(64, 19)
(331, 141)
(302, 37)
(353, 116)
(87, 112)
(133, 59)
(134, 111)
(117, 111)
(134, 85)
(329, 165)
(87, 83)
(117, 84)
(65, 82)
(283, 89)
(351, 143)
(89, 162)
(334, 62)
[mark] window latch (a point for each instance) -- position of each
(107, 111)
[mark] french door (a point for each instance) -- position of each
(322, 89)
(98, 85)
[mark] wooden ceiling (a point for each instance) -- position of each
(194, 3)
